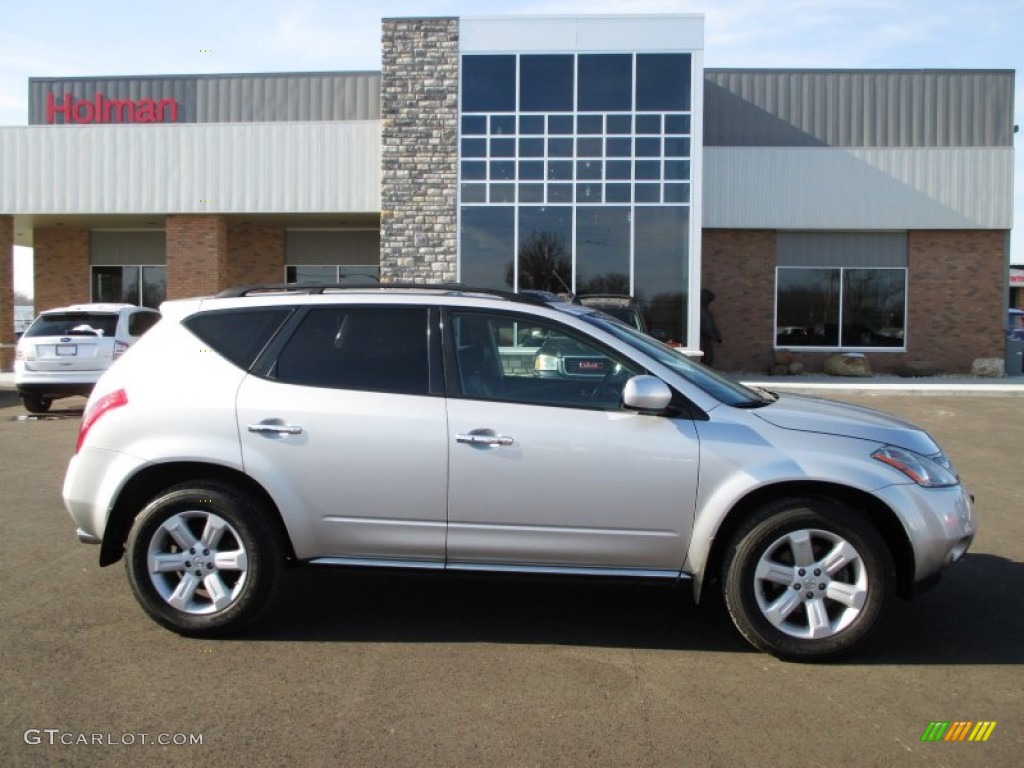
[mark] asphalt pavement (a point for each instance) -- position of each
(394, 669)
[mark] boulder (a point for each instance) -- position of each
(989, 367)
(778, 370)
(848, 364)
(795, 368)
(783, 356)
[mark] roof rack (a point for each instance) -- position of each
(527, 297)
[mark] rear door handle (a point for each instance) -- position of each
(485, 437)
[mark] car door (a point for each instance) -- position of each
(343, 430)
(546, 470)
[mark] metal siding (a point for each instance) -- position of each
(326, 247)
(113, 248)
(346, 96)
(841, 249)
(896, 189)
(181, 89)
(227, 168)
(922, 108)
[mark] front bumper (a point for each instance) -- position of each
(939, 522)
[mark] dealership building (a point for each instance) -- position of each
(828, 210)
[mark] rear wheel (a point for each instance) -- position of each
(807, 579)
(35, 403)
(203, 559)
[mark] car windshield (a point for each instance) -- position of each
(718, 386)
(73, 324)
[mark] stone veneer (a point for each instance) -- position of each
(6, 291)
(419, 137)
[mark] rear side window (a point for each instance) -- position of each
(74, 324)
(379, 350)
(140, 322)
(238, 335)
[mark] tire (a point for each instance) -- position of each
(35, 403)
(203, 559)
(806, 579)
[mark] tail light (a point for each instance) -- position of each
(120, 348)
(92, 414)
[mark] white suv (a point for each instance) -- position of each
(420, 428)
(66, 349)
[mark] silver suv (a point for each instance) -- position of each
(64, 351)
(418, 428)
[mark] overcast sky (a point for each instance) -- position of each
(72, 38)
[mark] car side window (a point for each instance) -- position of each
(140, 322)
(379, 350)
(517, 358)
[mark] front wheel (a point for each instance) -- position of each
(203, 559)
(807, 579)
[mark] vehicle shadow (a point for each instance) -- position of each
(66, 408)
(973, 616)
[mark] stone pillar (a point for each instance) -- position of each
(61, 267)
(197, 255)
(419, 136)
(6, 292)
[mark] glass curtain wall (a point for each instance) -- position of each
(574, 173)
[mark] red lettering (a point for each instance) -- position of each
(84, 111)
(115, 111)
(52, 109)
(163, 105)
(145, 111)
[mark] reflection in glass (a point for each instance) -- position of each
(313, 275)
(661, 268)
(602, 250)
(485, 246)
(154, 286)
(545, 237)
(807, 307)
(874, 302)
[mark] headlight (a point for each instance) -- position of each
(929, 473)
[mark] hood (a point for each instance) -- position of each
(812, 414)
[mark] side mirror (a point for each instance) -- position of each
(647, 394)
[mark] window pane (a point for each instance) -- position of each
(589, 147)
(663, 81)
(519, 359)
(606, 82)
(545, 83)
(531, 169)
(559, 147)
(620, 147)
(677, 147)
(648, 147)
(502, 170)
(588, 193)
(559, 170)
(807, 312)
(602, 250)
(238, 334)
(648, 169)
(677, 123)
(321, 275)
(619, 169)
(648, 123)
(474, 193)
(531, 147)
(474, 124)
(503, 147)
(590, 124)
(503, 124)
(560, 124)
(381, 350)
(677, 193)
(531, 124)
(474, 147)
(488, 83)
(545, 240)
(485, 247)
(559, 193)
(117, 285)
(618, 193)
(677, 170)
(531, 193)
(503, 193)
(474, 171)
(620, 123)
(661, 268)
(154, 286)
(873, 307)
(588, 169)
(648, 193)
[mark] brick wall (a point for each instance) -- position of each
(197, 255)
(6, 291)
(419, 135)
(60, 267)
(739, 266)
(255, 255)
(957, 291)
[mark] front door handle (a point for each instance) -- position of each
(275, 429)
(485, 437)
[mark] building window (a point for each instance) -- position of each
(574, 174)
(333, 274)
(144, 286)
(841, 308)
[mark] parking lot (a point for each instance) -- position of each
(397, 669)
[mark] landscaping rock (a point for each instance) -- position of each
(916, 368)
(848, 364)
(989, 367)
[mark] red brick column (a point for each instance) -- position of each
(255, 255)
(6, 291)
(61, 267)
(956, 295)
(197, 255)
(739, 266)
